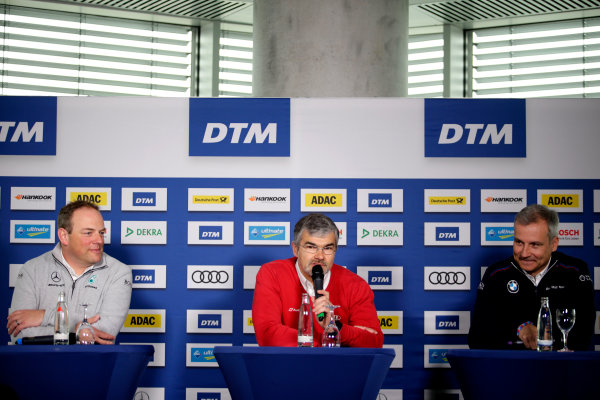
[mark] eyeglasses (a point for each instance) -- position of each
(312, 249)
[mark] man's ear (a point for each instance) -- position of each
(63, 236)
(295, 249)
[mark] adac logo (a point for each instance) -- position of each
(388, 321)
(239, 127)
(323, 199)
(380, 200)
(475, 128)
(447, 233)
(23, 231)
(208, 232)
(447, 200)
(380, 278)
(28, 125)
(209, 321)
(98, 198)
(499, 234)
(210, 199)
(202, 354)
(266, 232)
(447, 322)
(143, 276)
(561, 200)
(140, 199)
(143, 321)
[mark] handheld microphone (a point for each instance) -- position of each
(317, 278)
(45, 339)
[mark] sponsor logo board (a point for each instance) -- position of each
(158, 359)
(32, 231)
(570, 233)
(209, 321)
(267, 200)
(210, 232)
(250, 272)
(446, 394)
(379, 234)
(566, 201)
(266, 233)
(149, 276)
(398, 360)
(210, 276)
(342, 229)
(247, 321)
(145, 320)
(436, 354)
(144, 199)
(503, 200)
(596, 234)
(206, 394)
(32, 198)
(100, 196)
(201, 354)
(447, 200)
(382, 278)
(210, 199)
(447, 278)
(149, 393)
(497, 233)
(447, 322)
(596, 200)
(390, 322)
(447, 234)
(380, 200)
(143, 232)
(323, 200)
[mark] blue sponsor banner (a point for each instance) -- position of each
(32, 231)
(383, 200)
(210, 232)
(499, 234)
(209, 321)
(143, 275)
(475, 128)
(202, 355)
(447, 233)
(266, 232)
(446, 322)
(28, 125)
(380, 277)
(438, 356)
(144, 199)
(209, 396)
(239, 127)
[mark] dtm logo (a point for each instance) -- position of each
(475, 128)
(383, 200)
(447, 233)
(239, 127)
(210, 232)
(380, 278)
(449, 322)
(27, 125)
(143, 276)
(144, 199)
(209, 396)
(209, 321)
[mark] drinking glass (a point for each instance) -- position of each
(85, 332)
(565, 319)
(331, 334)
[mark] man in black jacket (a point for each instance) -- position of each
(508, 297)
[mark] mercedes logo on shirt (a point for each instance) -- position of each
(55, 277)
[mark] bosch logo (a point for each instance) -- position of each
(447, 278)
(55, 277)
(210, 276)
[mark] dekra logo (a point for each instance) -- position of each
(380, 200)
(143, 275)
(380, 278)
(144, 199)
(446, 322)
(447, 233)
(143, 232)
(209, 321)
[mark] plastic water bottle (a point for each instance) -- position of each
(544, 327)
(61, 321)
(305, 323)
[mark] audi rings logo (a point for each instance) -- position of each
(210, 276)
(447, 278)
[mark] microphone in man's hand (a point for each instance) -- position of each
(317, 278)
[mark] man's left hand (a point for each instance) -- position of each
(101, 337)
(21, 319)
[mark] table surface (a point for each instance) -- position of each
(47, 371)
(264, 373)
(526, 374)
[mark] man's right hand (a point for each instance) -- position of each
(529, 336)
(100, 337)
(21, 319)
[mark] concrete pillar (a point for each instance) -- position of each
(330, 48)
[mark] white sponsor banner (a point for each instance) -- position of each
(13, 272)
(570, 233)
(144, 199)
(248, 326)
(143, 232)
(390, 322)
(435, 355)
(447, 234)
(503, 200)
(107, 232)
(210, 232)
(209, 321)
(210, 276)
(201, 354)
(343, 229)
(149, 276)
(447, 322)
(447, 200)
(250, 272)
(379, 234)
(497, 233)
(266, 233)
(32, 231)
(267, 200)
(596, 201)
(390, 394)
(596, 234)
(32, 198)
(158, 359)
(596, 278)
(380, 200)
(447, 278)
(205, 394)
(597, 329)
(149, 393)
(100, 196)
(566, 201)
(398, 360)
(145, 320)
(323, 200)
(382, 277)
(210, 199)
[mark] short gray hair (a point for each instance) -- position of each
(315, 225)
(537, 212)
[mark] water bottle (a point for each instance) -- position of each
(305, 323)
(544, 327)
(61, 321)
